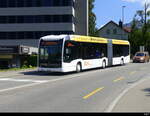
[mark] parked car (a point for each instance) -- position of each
(141, 57)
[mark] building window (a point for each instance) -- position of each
(30, 34)
(38, 3)
(29, 3)
(114, 31)
(12, 3)
(11, 19)
(20, 35)
(37, 19)
(3, 35)
(108, 31)
(11, 35)
(3, 19)
(47, 3)
(20, 19)
(35, 3)
(28, 19)
(20, 3)
(3, 3)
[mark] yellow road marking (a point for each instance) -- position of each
(92, 93)
(119, 79)
(131, 73)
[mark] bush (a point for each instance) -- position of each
(29, 61)
(24, 66)
(32, 60)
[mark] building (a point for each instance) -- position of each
(14, 55)
(113, 30)
(23, 22)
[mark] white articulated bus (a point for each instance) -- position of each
(67, 53)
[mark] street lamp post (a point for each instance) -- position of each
(122, 21)
(123, 14)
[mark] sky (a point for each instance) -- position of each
(107, 10)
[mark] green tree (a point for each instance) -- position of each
(92, 19)
(143, 15)
(140, 36)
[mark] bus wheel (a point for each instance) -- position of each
(122, 62)
(78, 68)
(104, 64)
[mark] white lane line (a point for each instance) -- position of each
(23, 80)
(114, 103)
(40, 82)
(54, 80)
(19, 87)
(4, 79)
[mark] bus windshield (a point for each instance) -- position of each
(50, 53)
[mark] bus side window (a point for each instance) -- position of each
(97, 54)
(71, 51)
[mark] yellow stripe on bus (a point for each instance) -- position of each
(121, 42)
(97, 40)
(89, 39)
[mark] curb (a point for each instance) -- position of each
(114, 103)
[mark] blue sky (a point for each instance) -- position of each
(107, 10)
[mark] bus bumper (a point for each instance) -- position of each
(50, 69)
(55, 70)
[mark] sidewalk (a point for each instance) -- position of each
(137, 99)
(15, 73)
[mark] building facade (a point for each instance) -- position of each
(113, 30)
(23, 22)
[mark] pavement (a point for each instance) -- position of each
(15, 73)
(135, 99)
(116, 89)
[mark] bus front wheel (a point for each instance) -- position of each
(104, 64)
(78, 68)
(122, 62)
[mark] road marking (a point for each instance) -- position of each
(23, 80)
(39, 83)
(133, 72)
(118, 79)
(19, 87)
(92, 93)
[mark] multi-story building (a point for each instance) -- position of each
(23, 22)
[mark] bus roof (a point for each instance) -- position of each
(53, 37)
(80, 38)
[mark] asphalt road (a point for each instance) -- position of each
(88, 91)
